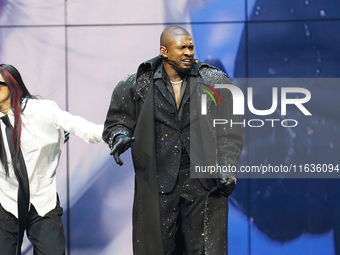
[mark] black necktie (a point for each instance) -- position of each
(23, 191)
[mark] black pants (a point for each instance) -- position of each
(182, 218)
(45, 233)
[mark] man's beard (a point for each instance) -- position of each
(182, 71)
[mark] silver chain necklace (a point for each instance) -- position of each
(176, 82)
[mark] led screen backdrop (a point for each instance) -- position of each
(75, 52)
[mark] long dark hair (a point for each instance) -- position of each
(18, 92)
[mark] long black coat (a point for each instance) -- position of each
(132, 112)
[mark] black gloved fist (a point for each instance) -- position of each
(226, 186)
(120, 144)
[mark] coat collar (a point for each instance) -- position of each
(152, 64)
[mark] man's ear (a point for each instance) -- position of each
(163, 51)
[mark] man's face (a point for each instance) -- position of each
(181, 50)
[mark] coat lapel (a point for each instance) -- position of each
(147, 238)
(162, 88)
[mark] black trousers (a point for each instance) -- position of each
(182, 217)
(45, 233)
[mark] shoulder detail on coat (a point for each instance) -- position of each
(207, 69)
(128, 79)
(125, 87)
(213, 75)
(143, 84)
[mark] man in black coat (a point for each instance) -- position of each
(156, 111)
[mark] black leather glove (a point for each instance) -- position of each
(227, 185)
(66, 136)
(120, 144)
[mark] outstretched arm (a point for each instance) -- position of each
(78, 126)
(121, 118)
